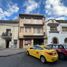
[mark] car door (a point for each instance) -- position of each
(37, 52)
(31, 51)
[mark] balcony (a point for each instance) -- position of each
(33, 22)
(7, 36)
(33, 34)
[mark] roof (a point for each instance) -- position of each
(31, 15)
(62, 21)
(9, 21)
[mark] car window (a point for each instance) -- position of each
(38, 48)
(50, 46)
(65, 46)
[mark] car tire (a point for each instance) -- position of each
(61, 56)
(27, 53)
(42, 59)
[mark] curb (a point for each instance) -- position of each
(12, 54)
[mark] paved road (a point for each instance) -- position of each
(22, 60)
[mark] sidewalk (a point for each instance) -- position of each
(10, 51)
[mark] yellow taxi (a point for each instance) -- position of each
(45, 54)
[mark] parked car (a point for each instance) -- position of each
(62, 52)
(44, 54)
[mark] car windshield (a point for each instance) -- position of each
(38, 48)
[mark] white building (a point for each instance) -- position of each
(56, 31)
(8, 34)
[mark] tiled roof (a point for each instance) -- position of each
(31, 15)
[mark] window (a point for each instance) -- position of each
(27, 41)
(38, 30)
(53, 28)
(28, 29)
(27, 21)
(15, 41)
(64, 29)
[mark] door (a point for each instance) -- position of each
(7, 44)
(21, 43)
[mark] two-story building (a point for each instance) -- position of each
(56, 31)
(9, 34)
(31, 30)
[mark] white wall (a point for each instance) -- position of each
(61, 35)
(14, 31)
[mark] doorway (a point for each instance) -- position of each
(55, 40)
(38, 41)
(7, 44)
(21, 43)
(65, 40)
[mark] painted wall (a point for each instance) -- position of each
(60, 36)
(14, 31)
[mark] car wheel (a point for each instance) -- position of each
(27, 53)
(42, 59)
(61, 56)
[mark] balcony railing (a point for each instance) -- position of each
(53, 31)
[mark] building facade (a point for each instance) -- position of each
(56, 31)
(9, 34)
(31, 30)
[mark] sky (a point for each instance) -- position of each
(51, 9)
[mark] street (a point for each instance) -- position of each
(22, 60)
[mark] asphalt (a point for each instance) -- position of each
(23, 60)
(9, 52)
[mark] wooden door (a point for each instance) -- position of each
(21, 43)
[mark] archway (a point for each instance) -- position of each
(65, 40)
(55, 40)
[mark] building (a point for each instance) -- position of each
(31, 30)
(9, 34)
(56, 31)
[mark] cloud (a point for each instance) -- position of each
(12, 8)
(55, 8)
(30, 6)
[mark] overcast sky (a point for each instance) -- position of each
(51, 9)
